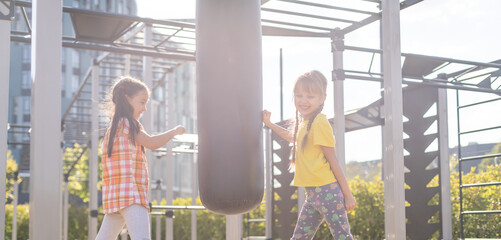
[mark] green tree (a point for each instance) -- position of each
(78, 222)
(23, 216)
(255, 228)
(491, 161)
(209, 225)
(11, 170)
(364, 170)
(78, 181)
(477, 199)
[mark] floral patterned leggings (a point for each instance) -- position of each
(324, 202)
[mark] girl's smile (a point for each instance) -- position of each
(138, 103)
(307, 102)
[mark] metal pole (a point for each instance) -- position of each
(102, 48)
(158, 219)
(460, 169)
(383, 139)
(14, 208)
(394, 192)
(148, 80)
(169, 165)
(234, 230)
(94, 148)
(127, 64)
(281, 87)
(445, 180)
(338, 80)
(159, 118)
(146, 119)
(65, 209)
(4, 110)
(269, 186)
(194, 195)
(45, 152)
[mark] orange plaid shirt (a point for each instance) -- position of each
(125, 172)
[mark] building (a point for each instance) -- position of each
(75, 63)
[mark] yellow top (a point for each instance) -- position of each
(312, 168)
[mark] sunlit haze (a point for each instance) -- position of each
(466, 30)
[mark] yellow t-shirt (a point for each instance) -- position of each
(312, 168)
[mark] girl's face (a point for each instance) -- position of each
(307, 101)
(138, 103)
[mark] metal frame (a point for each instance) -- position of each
(160, 46)
(5, 27)
(316, 26)
(445, 179)
(370, 116)
(461, 80)
(338, 77)
(272, 24)
(93, 153)
(289, 28)
(7, 4)
(461, 160)
(393, 159)
(281, 221)
(423, 165)
(45, 152)
(182, 32)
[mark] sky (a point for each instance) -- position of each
(459, 29)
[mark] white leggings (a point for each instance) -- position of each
(134, 216)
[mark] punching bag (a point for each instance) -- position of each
(229, 80)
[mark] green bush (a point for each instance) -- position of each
(255, 228)
(23, 217)
(78, 222)
(210, 226)
(366, 221)
(477, 199)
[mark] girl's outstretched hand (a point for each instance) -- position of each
(349, 202)
(282, 132)
(180, 130)
(266, 117)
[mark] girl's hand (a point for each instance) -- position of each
(349, 202)
(266, 117)
(180, 130)
(282, 132)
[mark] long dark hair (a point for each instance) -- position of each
(313, 81)
(121, 108)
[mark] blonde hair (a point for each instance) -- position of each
(315, 82)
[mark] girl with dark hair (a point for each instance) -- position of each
(328, 195)
(125, 168)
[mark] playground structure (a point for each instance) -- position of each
(144, 38)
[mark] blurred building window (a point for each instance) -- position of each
(25, 80)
